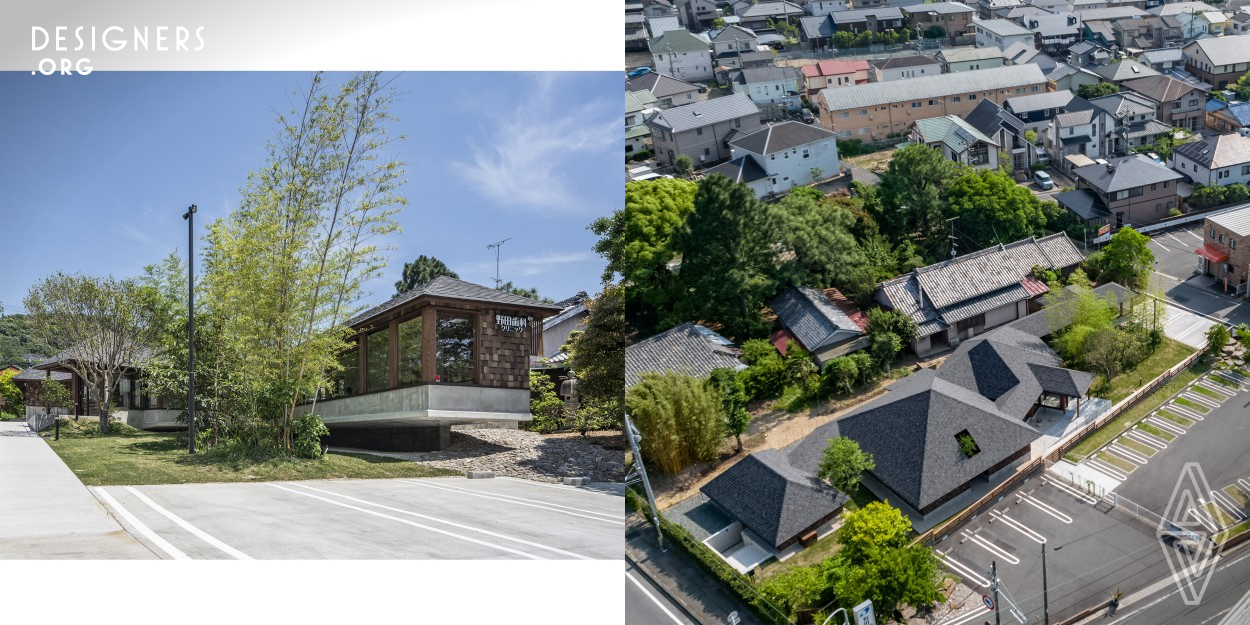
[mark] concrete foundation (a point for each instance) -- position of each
(432, 438)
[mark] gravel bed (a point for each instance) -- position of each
(520, 454)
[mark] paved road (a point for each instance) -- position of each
(1229, 583)
(1176, 270)
(432, 518)
(646, 603)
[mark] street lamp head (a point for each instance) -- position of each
(190, 211)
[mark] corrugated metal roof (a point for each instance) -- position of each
(1236, 221)
(940, 86)
(701, 114)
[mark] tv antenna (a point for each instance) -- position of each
(495, 246)
(951, 236)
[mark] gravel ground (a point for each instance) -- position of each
(521, 454)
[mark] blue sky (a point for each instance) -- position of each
(96, 171)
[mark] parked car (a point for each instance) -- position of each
(636, 72)
(1043, 180)
(807, 116)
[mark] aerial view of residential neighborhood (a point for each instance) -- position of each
(937, 311)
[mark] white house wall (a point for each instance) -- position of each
(684, 65)
(793, 167)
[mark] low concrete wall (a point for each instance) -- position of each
(426, 405)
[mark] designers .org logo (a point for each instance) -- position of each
(1187, 544)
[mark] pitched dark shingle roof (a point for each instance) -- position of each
(451, 288)
(1129, 172)
(35, 375)
(780, 137)
(772, 498)
(813, 319)
(689, 349)
(705, 113)
(659, 85)
(741, 169)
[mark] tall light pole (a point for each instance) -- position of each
(190, 217)
(1045, 590)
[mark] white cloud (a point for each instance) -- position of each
(530, 265)
(526, 157)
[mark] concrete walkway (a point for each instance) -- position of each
(46, 512)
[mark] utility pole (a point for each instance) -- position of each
(495, 246)
(190, 217)
(640, 474)
(1045, 590)
(998, 617)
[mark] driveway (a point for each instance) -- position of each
(431, 518)
(1176, 275)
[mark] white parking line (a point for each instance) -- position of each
(610, 515)
(147, 532)
(652, 597)
(204, 536)
(1146, 438)
(971, 617)
(991, 547)
(1192, 234)
(1156, 242)
(1243, 485)
(413, 524)
(1173, 237)
(964, 569)
(1105, 468)
(1070, 490)
(1019, 527)
(1166, 424)
(519, 503)
(1205, 520)
(446, 522)
(1224, 501)
(1217, 388)
(1125, 452)
(1044, 507)
(1200, 399)
(1235, 379)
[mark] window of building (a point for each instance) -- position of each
(863, 131)
(863, 111)
(933, 102)
(410, 352)
(915, 105)
(455, 344)
(844, 114)
(707, 151)
(1212, 234)
(972, 96)
(737, 123)
(955, 99)
(377, 361)
(806, 153)
(1221, 239)
(698, 131)
(347, 381)
(1232, 244)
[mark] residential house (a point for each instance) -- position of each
(987, 8)
(825, 323)
(1070, 77)
(817, 31)
(757, 16)
(1086, 54)
(682, 55)
(877, 110)
(1224, 250)
(1009, 133)
(1077, 130)
(769, 86)
(876, 4)
(957, 140)
(967, 59)
(1195, 18)
(1177, 103)
(1224, 117)
(875, 20)
(1129, 122)
(1000, 34)
(1126, 69)
(967, 295)
(1126, 190)
(659, 25)
(834, 73)
(688, 349)
(658, 8)
(991, 391)
(1024, 53)
(667, 91)
(702, 130)
(1218, 60)
(1163, 59)
(905, 67)
(697, 14)
(1215, 161)
(559, 327)
(637, 104)
(825, 7)
(1055, 33)
(29, 382)
(1037, 109)
(953, 18)
(1238, 23)
(779, 157)
(635, 32)
(773, 510)
(733, 39)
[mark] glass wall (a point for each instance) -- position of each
(410, 351)
(347, 382)
(377, 362)
(455, 347)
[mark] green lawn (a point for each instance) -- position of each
(1117, 462)
(1217, 513)
(1193, 405)
(1169, 353)
(1238, 495)
(127, 456)
(1233, 531)
(1150, 429)
(1202, 390)
(1175, 418)
(1225, 382)
(1138, 412)
(1141, 448)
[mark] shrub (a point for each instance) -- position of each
(1174, 212)
(640, 155)
(680, 419)
(756, 350)
(767, 378)
(546, 408)
(885, 320)
(850, 147)
(1037, 166)
(308, 432)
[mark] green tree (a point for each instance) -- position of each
(599, 361)
(1097, 90)
(421, 271)
(546, 408)
(53, 394)
(733, 399)
(813, 241)
(1107, 350)
(911, 191)
(885, 347)
(1127, 259)
(842, 371)
(800, 588)
(679, 418)
(993, 209)
(844, 39)
(718, 23)
(843, 464)
(508, 287)
(17, 340)
(1075, 315)
(896, 321)
(11, 394)
(934, 32)
(636, 241)
(1242, 87)
(683, 164)
(1217, 338)
(870, 530)
(98, 326)
(726, 260)
(900, 575)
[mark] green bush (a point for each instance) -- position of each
(766, 378)
(1037, 166)
(1174, 212)
(756, 350)
(308, 432)
(640, 155)
(681, 420)
(546, 408)
(850, 147)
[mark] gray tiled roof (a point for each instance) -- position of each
(1039, 101)
(1084, 203)
(941, 8)
(969, 54)
(678, 41)
(1159, 88)
(770, 9)
(928, 294)
(733, 33)
(741, 169)
(1218, 151)
(780, 137)
(814, 320)
(1228, 50)
(689, 349)
(859, 15)
(911, 60)
(938, 86)
(35, 375)
(1128, 172)
(1126, 69)
(766, 74)
(1124, 103)
(772, 498)
(1004, 28)
(952, 131)
(660, 85)
(451, 288)
(705, 113)
(816, 26)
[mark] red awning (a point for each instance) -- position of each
(1212, 254)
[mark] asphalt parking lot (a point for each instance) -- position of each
(1094, 548)
(431, 518)
(1176, 274)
